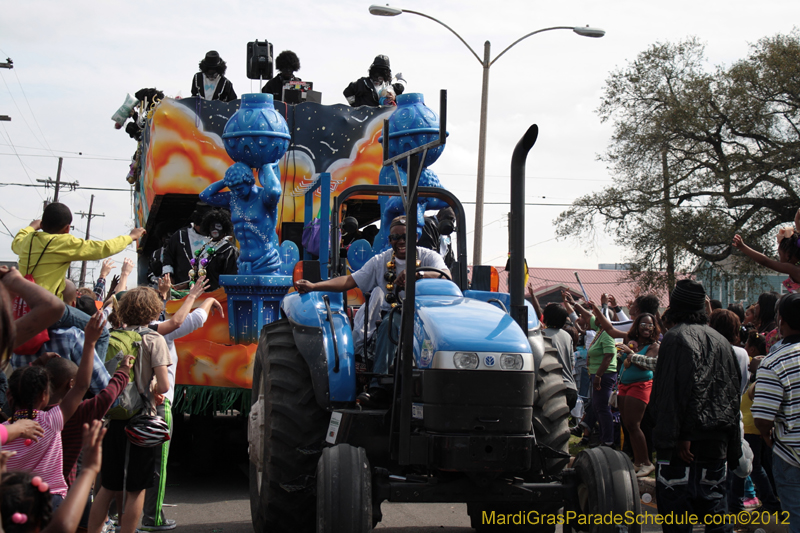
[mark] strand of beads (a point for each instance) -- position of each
(199, 262)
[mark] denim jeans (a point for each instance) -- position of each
(384, 347)
(600, 411)
(697, 489)
(787, 479)
(75, 318)
(583, 382)
(759, 478)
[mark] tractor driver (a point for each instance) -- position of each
(372, 278)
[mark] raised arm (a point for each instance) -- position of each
(68, 515)
(212, 196)
(268, 178)
(124, 272)
(340, 284)
(605, 325)
(176, 320)
(761, 259)
(83, 378)
(45, 308)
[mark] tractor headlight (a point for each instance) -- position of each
(511, 361)
(465, 360)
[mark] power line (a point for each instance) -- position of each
(74, 187)
(527, 177)
(20, 160)
(70, 157)
(60, 151)
(7, 230)
(18, 109)
(19, 82)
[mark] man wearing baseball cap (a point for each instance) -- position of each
(696, 404)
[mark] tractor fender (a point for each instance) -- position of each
(315, 336)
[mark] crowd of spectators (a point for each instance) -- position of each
(705, 399)
(69, 367)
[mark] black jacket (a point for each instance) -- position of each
(223, 93)
(695, 389)
(364, 93)
(275, 86)
(178, 254)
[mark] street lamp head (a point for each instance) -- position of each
(585, 31)
(384, 11)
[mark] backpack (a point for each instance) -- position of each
(21, 308)
(124, 342)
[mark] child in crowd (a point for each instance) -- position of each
(138, 308)
(62, 374)
(29, 394)
(788, 256)
(26, 502)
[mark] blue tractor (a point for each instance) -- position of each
(477, 414)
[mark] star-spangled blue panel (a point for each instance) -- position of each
(290, 255)
(358, 254)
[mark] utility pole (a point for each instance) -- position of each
(88, 216)
(7, 64)
(58, 182)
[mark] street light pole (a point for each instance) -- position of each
(486, 63)
(477, 246)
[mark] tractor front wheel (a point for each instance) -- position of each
(286, 432)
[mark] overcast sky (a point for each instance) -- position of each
(76, 60)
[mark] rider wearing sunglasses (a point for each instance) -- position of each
(373, 278)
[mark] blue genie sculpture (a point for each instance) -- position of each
(256, 136)
(411, 125)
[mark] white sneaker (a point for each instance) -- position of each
(646, 470)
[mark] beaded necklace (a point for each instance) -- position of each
(391, 276)
(199, 260)
(22, 414)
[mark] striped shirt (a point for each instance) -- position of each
(777, 398)
(43, 458)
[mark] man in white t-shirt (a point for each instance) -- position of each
(374, 275)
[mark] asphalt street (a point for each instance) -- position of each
(208, 489)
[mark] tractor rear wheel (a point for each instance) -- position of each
(344, 491)
(550, 410)
(286, 432)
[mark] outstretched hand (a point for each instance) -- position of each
(108, 266)
(738, 242)
(95, 327)
(303, 286)
(93, 446)
(218, 306)
(164, 285)
(28, 429)
(127, 267)
(200, 286)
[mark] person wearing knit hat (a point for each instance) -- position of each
(695, 401)
(688, 296)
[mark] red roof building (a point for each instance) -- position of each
(546, 284)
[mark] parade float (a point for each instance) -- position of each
(183, 152)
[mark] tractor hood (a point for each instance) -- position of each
(446, 323)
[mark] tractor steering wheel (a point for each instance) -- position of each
(442, 273)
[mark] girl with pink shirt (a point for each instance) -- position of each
(28, 394)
